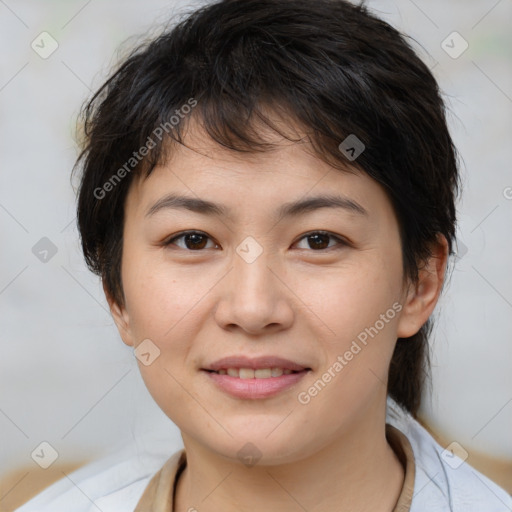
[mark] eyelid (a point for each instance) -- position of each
(169, 240)
(341, 241)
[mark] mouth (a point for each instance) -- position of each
(263, 377)
(259, 373)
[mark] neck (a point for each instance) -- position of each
(357, 471)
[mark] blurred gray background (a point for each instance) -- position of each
(66, 377)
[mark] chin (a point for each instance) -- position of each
(258, 447)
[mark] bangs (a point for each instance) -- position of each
(258, 128)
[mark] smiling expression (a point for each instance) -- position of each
(257, 257)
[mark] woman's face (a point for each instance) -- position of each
(318, 286)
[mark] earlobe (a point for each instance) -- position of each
(121, 318)
(422, 297)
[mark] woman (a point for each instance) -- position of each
(268, 195)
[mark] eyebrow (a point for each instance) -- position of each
(291, 209)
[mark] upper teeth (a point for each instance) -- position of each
(249, 373)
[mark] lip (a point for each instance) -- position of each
(255, 363)
(255, 388)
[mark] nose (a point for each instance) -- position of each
(254, 298)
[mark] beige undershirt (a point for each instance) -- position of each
(159, 493)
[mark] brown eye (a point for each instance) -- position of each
(192, 240)
(319, 240)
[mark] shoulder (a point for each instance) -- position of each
(111, 484)
(443, 481)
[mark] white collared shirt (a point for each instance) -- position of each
(443, 482)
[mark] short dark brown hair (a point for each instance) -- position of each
(331, 66)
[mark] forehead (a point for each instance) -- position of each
(284, 172)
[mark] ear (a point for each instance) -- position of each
(121, 318)
(422, 297)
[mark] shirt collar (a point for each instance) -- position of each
(159, 493)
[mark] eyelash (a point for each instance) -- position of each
(341, 242)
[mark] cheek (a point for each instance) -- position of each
(352, 297)
(160, 295)
(360, 306)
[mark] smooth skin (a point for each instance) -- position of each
(302, 299)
